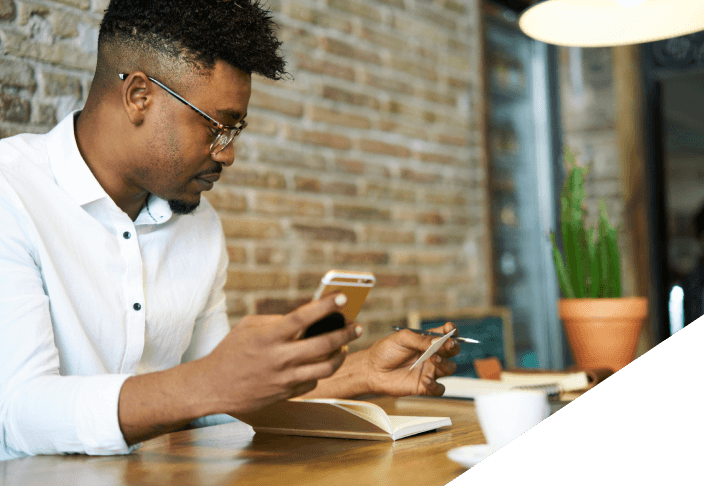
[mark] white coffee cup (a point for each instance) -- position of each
(505, 415)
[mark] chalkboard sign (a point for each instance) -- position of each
(491, 326)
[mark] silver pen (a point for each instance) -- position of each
(430, 333)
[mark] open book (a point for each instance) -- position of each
(332, 417)
(555, 384)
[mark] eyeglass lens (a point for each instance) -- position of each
(222, 140)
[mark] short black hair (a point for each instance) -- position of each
(238, 32)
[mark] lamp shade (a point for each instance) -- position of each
(601, 23)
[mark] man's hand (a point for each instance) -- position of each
(389, 360)
(264, 360)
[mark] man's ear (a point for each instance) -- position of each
(137, 96)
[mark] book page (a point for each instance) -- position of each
(567, 381)
(466, 387)
(404, 426)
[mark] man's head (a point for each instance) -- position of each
(203, 51)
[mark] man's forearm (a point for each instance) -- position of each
(158, 403)
(351, 380)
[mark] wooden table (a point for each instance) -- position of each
(233, 454)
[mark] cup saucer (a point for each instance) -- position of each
(469, 456)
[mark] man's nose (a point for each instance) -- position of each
(226, 156)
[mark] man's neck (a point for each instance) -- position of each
(105, 161)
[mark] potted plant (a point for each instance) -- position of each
(602, 327)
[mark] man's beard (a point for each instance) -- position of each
(181, 207)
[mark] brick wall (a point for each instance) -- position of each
(369, 159)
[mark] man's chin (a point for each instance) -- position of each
(182, 207)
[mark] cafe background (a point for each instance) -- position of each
(415, 142)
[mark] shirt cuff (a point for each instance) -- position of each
(97, 424)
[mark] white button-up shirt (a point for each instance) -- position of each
(88, 297)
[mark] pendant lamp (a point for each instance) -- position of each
(602, 23)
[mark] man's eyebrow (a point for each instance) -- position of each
(232, 114)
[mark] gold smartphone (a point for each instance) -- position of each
(355, 285)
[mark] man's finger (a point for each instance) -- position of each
(432, 387)
(444, 367)
(324, 345)
(296, 322)
(319, 370)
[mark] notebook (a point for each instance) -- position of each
(332, 417)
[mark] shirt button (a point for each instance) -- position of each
(126, 235)
(136, 306)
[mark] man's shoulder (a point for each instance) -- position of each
(22, 152)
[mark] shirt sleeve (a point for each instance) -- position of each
(42, 412)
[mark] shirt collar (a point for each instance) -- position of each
(73, 175)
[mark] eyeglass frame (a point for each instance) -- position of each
(220, 128)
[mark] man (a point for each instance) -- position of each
(112, 313)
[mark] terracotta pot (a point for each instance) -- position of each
(603, 333)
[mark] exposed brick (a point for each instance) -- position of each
(313, 184)
(360, 213)
(336, 117)
(250, 228)
(278, 306)
(252, 177)
(320, 66)
(314, 137)
(221, 198)
(298, 11)
(46, 115)
(313, 255)
(271, 255)
(426, 301)
(64, 24)
(82, 4)
(350, 166)
(237, 254)
(375, 302)
(235, 305)
(309, 280)
(64, 54)
(386, 235)
(412, 175)
(282, 204)
(377, 147)
(17, 74)
(359, 257)
(444, 238)
(26, 10)
(298, 37)
(268, 101)
(381, 190)
(424, 258)
(412, 68)
(261, 124)
(435, 158)
(14, 109)
(436, 97)
(416, 131)
(7, 9)
(389, 41)
(344, 96)
(56, 84)
(290, 158)
(245, 280)
(364, 10)
(396, 280)
(440, 18)
(446, 197)
(339, 48)
(445, 139)
(331, 233)
(388, 84)
(454, 6)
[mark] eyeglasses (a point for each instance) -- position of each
(224, 134)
